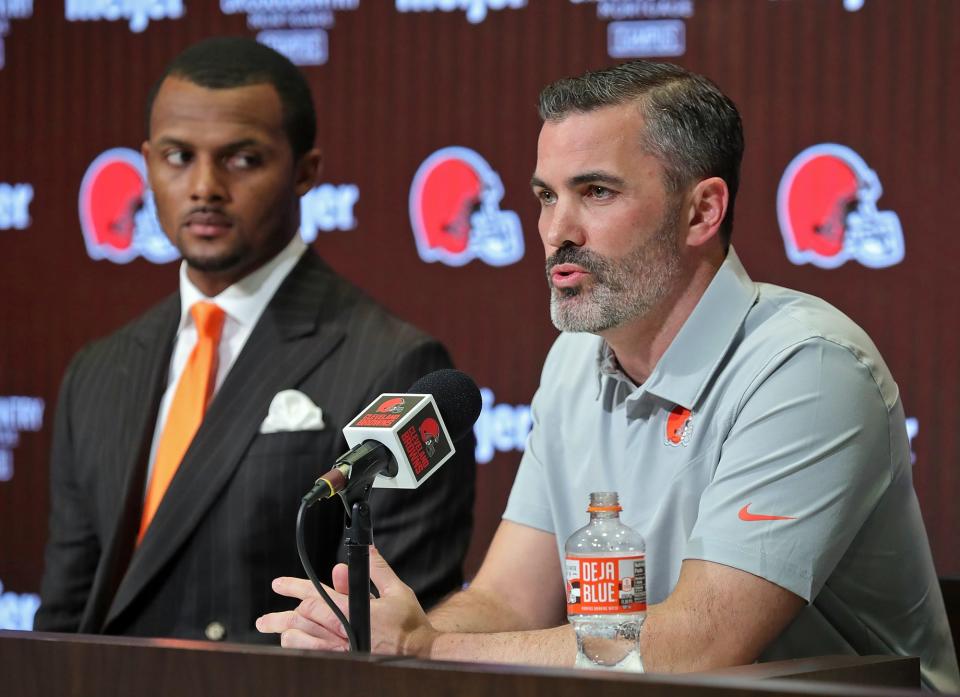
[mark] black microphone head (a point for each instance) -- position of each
(457, 397)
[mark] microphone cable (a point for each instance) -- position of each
(308, 567)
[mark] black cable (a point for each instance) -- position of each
(308, 567)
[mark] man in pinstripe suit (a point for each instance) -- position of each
(229, 153)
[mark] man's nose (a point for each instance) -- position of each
(561, 225)
(207, 184)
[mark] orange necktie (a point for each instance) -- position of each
(187, 408)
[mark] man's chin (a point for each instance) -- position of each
(570, 313)
(585, 312)
(212, 263)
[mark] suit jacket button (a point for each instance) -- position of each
(215, 631)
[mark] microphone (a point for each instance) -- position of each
(399, 440)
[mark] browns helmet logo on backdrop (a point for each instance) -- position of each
(827, 207)
(455, 211)
(117, 213)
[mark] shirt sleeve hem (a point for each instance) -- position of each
(773, 568)
(532, 518)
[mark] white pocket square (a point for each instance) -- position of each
(292, 410)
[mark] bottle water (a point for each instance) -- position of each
(606, 587)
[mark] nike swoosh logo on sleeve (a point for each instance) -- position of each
(747, 515)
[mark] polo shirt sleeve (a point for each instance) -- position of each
(806, 459)
(528, 503)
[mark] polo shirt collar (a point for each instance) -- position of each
(696, 352)
(704, 340)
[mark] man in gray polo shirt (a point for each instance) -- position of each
(754, 433)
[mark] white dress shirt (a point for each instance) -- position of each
(243, 303)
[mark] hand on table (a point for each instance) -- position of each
(398, 625)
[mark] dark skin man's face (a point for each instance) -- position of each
(224, 177)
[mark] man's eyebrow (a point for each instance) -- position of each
(240, 144)
(594, 177)
(229, 147)
(167, 140)
(581, 179)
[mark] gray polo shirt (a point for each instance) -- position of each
(769, 438)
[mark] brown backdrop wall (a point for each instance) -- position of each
(877, 77)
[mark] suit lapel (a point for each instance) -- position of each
(297, 331)
(140, 376)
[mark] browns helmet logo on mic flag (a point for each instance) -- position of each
(827, 208)
(426, 444)
(385, 411)
(393, 406)
(455, 211)
(117, 214)
(430, 434)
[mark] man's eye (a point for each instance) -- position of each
(546, 197)
(599, 192)
(177, 158)
(244, 160)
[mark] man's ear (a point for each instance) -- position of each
(308, 170)
(708, 207)
(145, 152)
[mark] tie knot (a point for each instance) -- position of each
(209, 320)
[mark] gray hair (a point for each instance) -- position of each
(692, 128)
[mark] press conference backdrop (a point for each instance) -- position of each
(427, 117)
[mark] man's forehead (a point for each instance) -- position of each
(605, 139)
(181, 105)
(601, 124)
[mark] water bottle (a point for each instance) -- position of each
(606, 587)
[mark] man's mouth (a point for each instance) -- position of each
(207, 223)
(567, 275)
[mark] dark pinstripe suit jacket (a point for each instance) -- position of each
(226, 525)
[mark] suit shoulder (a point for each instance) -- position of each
(364, 318)
(390, 351)
(145, 327)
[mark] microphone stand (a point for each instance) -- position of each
(366, 463)
(352, 479)
(359, 537)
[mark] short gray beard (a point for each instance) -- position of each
(623, 289)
